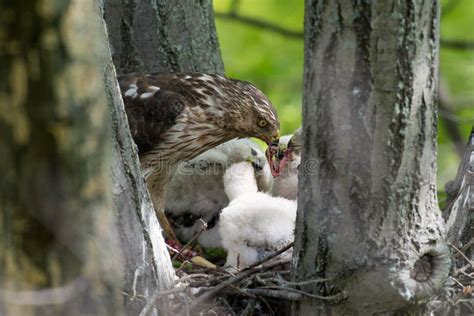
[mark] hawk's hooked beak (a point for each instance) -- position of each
(270, 139)
(275, 137)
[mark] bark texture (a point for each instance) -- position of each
(150, 36)
(368, 215)
(58, 249)
(147, 266)
(459, 212)
(163, 36)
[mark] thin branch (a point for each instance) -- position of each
(302, 283)
(268, 258)
(264, 25)
(457, 44)
(295, 34)
(286, 295)
(195, 237)
(236, 278)
(468, 245)
(462, 254)
(335, 297)
(243, 274)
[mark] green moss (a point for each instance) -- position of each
(215, 254)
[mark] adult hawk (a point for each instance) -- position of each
(175, 117)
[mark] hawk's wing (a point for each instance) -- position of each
(152, 107)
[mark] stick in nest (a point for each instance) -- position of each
(195, 237)
(241, 275)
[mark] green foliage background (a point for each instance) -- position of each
(274, 63)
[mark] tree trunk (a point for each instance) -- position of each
(59, 253)
(163, 36)
(150, 36)
(147, 266)
(368, 216)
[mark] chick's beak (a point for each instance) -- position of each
(272, 151)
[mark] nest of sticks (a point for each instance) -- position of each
(263, 288)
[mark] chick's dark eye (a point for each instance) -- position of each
(262, 123)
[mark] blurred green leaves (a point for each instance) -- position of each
(271, 61)
(274, 63)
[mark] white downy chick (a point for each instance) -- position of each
(254, 224)
(197, 189)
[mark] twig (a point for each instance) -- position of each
(457, 44)
(171, 248)
(236, 278)
(290, 294)
(459, 283)
(196, 236)
(242, 274)
(469, 275)
(194, 275)
(273, 255)
(287, 295)
(334, 297)
(462, 269)
(219, 287)
(468, 244)
(272, 274)
(302, 283)
(183, 264)
(462, 254)
(268, 26)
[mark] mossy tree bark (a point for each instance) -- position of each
(368, 217)
(150, 36)
(58, 244)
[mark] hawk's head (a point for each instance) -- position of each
(237, 106)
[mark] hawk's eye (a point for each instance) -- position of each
(262, 123)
